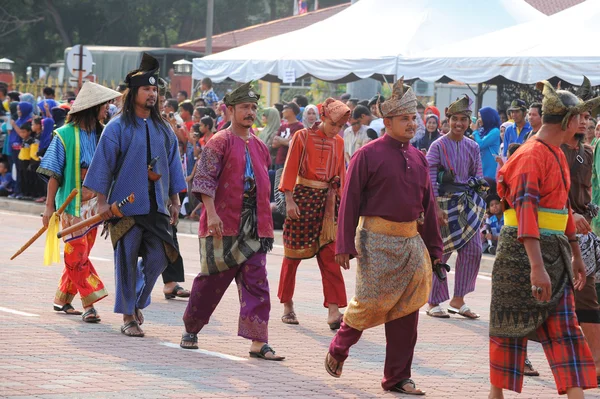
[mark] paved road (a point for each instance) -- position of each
(50, 355)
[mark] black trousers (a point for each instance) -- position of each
(174, 271)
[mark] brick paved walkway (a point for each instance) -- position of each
(50, 355)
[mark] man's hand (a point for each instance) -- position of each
(50, 209)
(583, 227)
(441, 216)
(578, 273)
(174, 210)
(540, 279)
(343, 260)
(104, 211)
(276, 143)
(215, 225)
(488, 236)
(293, 212)
(500, 161)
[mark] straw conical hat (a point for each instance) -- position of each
(92, 94)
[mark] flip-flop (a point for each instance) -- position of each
(463, 311)
(126, 327)
(339, 367)
(289, 318)
(65, 308)
(178, 292)
(531, 372)
(399, 387)
(91, 316)
(336, 324)
(437, 312)
(189, 337)
(263, 351)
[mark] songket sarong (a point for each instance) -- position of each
(79, 275)
(589, 245)
(394, 273)
(465, 211)
(316, 227)
(515, 312)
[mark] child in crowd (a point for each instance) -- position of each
(24, 160)
(6, 181)
(493, 224)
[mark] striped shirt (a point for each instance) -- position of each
(55, 158)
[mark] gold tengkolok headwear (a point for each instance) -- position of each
(403, 101)
(243, 94)
(552, 104)
(460, 106)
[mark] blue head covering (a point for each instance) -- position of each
(490, 118)
(51, 104)
(28, 97)
(59, 115)
(46, 136)
(26, 113)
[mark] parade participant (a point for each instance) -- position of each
(394, 263)
(520, 130)
(312, 179)
(538, 263)
(456, 176)
(580, 158)
(138, 153)
(65, 165)
(236, 227)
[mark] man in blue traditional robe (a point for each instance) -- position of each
(138, 153)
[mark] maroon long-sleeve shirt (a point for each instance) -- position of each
(389, 179)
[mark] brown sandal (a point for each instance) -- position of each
(289, 318)
(337, 373)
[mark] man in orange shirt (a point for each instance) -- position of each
(312, 179)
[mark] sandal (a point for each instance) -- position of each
(178, 292)
(91, 316)
(263, 351)
(529, 370)
(139, 317)
(133, 323)
(189, 337)
(399, 387)
(337, 373)
(289, 318)
(437, 312)
(336, 324)
(67, 308)
(464, 311)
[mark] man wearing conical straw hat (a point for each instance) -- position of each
(65, 165)
(138, 153)
(393, 278)
(538, 264)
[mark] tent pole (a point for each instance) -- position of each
(209, 26)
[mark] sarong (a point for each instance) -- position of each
(589, 245)
(221, 254)
(514, 311)
(318, 203)
(465, 212)
(394, 272)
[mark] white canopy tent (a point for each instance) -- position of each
(563, 45)
(364, 40)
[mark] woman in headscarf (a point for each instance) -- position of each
(59, 114)
(28, 97)
(310, 116)
(24, 114)
(272, 122)
(488, 138)
(432, 133)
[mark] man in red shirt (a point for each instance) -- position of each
(289, 126)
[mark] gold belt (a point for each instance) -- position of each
(312, 183)
(378, 225)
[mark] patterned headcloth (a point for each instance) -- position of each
(335, 110)
(146, 74)
(243, 94)
(460, 106)
(403, 101)
(552, 105)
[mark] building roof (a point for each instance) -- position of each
(550, 7)
(236, 38)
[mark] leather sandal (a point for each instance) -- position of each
(189, 337)
(91, 316)
(66, 308)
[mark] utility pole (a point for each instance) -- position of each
(209, 26)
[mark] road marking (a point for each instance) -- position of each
(17, 312)
(205, 352)
(187, 235)
(22, 215)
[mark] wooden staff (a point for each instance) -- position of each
(114, 208)
(43, 229)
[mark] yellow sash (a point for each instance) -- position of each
(551, 221)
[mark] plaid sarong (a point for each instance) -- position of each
(565, 347)
(589, 245)
(466, 212)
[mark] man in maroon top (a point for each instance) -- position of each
(394, 262)
(289, 126)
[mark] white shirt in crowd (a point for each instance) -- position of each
(353, 141)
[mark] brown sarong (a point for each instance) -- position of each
(393, 278)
